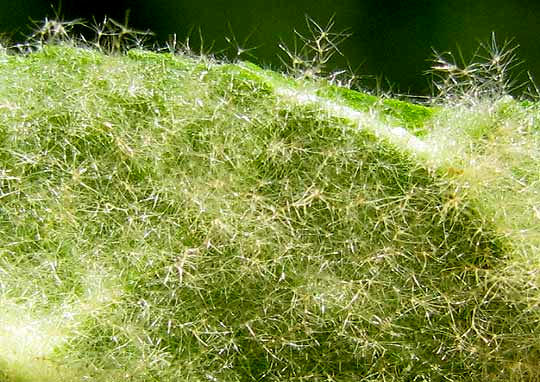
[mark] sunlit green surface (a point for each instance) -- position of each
(166, 218)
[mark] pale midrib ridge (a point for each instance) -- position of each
(397, 135)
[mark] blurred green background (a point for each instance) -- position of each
(393, 39)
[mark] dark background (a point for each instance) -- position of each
(389, 38)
